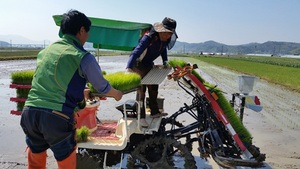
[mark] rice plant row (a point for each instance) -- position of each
(286, 62)
(285, 76)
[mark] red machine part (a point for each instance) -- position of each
(218, 110)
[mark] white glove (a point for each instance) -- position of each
(128, 70)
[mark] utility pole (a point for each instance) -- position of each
(11, 45)
(222, 50)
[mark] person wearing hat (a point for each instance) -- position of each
(162, 36)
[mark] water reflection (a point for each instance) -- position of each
(108, 63)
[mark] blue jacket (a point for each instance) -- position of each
(154, 47)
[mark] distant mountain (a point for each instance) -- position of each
(17, 40)
(270, 47)
(4, 44)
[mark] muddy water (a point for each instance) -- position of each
(12, 144)
(281, 111)
(12, 139)
(109, 64)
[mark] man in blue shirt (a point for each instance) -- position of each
(161, 37)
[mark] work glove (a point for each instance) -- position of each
(128, 70)
(166, 65)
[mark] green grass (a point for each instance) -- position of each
(279, 61)
(283, 75)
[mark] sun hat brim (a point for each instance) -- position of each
(159, 27)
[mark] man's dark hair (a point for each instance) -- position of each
(72, 21)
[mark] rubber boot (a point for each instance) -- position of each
(69, 162)
(36, 160)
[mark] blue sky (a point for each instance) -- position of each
(231, 22)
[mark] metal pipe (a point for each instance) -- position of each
(242, 108)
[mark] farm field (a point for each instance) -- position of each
(22, 54)
(283, 71)
(275, 130)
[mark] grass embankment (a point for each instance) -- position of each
(22, 54)
(18, 54)
(283, 71)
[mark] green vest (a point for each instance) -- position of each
(58, 83)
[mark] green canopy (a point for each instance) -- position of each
(113, 34)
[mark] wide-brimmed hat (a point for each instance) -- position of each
(167, 25)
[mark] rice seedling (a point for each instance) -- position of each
(22, 78)
(82, 134)
(121, 81)
(177, 62)
(20, 106)
(22, 93)
(234, 119)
